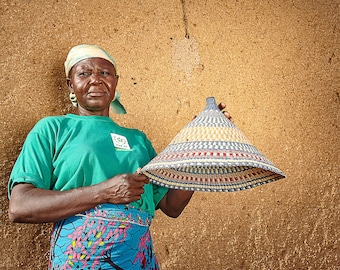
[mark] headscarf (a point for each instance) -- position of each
(85, 51)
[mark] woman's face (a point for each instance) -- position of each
(94, 82)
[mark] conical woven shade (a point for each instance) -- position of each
(211, 154)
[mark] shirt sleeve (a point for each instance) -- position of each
(34, 164)
(158, 193)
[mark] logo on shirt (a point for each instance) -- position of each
(120, 141)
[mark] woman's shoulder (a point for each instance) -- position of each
(50, 120)
(48, 123)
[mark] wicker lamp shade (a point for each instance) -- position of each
(211, 154)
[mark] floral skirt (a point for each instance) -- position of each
(105, 237)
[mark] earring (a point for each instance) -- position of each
(73, 99)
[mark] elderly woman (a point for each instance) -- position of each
(80, 171)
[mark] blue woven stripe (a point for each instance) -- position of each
(212, 145)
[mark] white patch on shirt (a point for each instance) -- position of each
(120, 141)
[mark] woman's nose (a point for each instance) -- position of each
(96, 78)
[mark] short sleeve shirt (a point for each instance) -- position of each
(71, 151)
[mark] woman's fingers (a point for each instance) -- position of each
(222, 107)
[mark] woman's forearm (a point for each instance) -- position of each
(33, 205)
(174, 202)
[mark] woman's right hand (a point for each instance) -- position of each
(124, 188)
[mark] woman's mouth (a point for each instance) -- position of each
(96, 94)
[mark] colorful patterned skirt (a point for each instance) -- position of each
(105, 237)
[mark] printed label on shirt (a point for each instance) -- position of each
(120, 141)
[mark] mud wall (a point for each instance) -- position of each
(274, 63)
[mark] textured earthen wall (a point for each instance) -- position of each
(275, 64)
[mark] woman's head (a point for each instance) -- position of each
(85, 51)
(91, 72)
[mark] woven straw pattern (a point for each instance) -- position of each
(211, 154)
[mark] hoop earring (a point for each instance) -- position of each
(73, 99)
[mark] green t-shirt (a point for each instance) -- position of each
(66, 152)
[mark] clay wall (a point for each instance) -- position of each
(274, 63)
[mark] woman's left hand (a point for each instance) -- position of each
(222, 106)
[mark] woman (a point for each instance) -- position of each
(80, 171)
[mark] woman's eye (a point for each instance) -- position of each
(84, 73)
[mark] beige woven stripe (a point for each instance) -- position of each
(210, 134)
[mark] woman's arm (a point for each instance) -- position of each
(174, 202)
(34, 205)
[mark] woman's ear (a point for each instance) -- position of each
(69, 84)
(117, 77)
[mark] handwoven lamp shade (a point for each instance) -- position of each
(211, 154)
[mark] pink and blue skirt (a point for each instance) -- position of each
(108, 236)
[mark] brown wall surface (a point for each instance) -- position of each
(274, 63)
